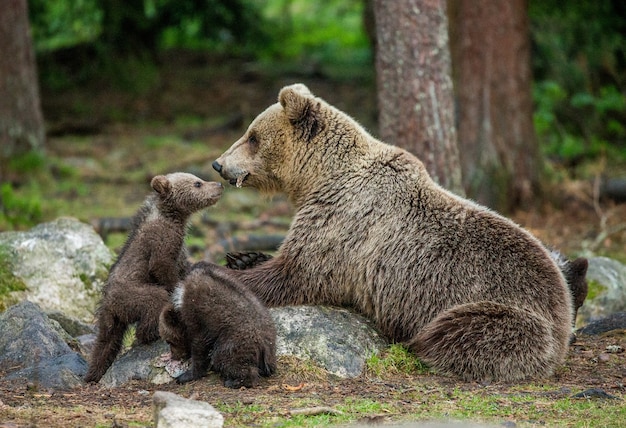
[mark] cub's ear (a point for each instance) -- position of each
(161, 184)
(302, 109)
(169, 319)
(580, 266)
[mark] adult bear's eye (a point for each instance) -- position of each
(197, 184)
(252, 140)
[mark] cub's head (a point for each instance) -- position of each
(173, 331)
(277, 148)
(575, 273)
(185, 193)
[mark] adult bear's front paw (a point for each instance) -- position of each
(242, 261)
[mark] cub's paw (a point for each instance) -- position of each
(188, 376)
(236, 383)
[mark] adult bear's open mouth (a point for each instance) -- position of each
(238, 181)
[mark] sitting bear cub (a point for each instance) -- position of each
(469, 291)
(151, 263)
(223, 327)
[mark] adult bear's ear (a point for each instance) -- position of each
(161, 184)
(302, 109)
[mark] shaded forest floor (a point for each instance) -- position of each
(106, 144)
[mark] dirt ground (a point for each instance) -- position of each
(574, 221)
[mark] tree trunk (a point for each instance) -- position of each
(21, 121)
(415, 94)
(490, 47)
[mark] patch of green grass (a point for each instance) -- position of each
(395, 359)
(525, 408)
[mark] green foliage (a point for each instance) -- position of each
(595, 132)
(28, 163)
(121, 27)
(58, 24)
(21, 202)
(18, 209)
(325, 32)
(578, 61)
(329, 33)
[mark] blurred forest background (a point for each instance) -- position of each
(176, 82)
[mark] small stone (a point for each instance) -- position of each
(614, 349)
(174, 411)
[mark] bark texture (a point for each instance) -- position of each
(415, 93)
(21, 120)
(490, 47)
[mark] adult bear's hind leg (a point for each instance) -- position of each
(488, 341)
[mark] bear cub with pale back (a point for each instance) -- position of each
(222, 326)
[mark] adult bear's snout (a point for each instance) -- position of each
(216, 166)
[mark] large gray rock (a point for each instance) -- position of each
(335, 339)
(63, 264)
(36, 350)
(28, 337)
(607, 290)
(174, 411)
(139, 362)
(63, 372)
(616, 321)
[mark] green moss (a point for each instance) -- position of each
(595, 289)
(395, 359)
(8, 282)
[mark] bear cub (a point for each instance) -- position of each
(150, 264)
(222, 325)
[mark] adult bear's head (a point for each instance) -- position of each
(293, 144)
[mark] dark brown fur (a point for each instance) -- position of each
(222, 325)
(151, 262)
(575, 273)
(469, 291)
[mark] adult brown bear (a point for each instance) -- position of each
(469, 291)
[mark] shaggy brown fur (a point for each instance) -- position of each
(222, 325)
(574, 271)
(151, 262)
(469, 291)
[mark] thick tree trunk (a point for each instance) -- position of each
(490, 47)
(415, 94)
(21, 120)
